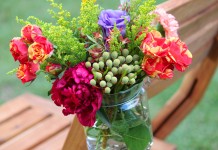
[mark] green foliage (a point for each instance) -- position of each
(88, 19)
(114, 40)
(137, 138)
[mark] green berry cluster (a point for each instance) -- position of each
(113, 71)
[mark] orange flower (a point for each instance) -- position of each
(29, 32)
(53, 69)
(40, 49)
(27, 72)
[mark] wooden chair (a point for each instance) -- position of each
(31, 122)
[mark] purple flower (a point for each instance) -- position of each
(108, 18)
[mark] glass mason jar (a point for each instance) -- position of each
(122, 121)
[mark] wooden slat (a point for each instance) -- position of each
(37, 134)
(7, 110)
(54, 143)
(198, 22)
(76, 139)
(184, 10)
(162, 145)
(20, 123)
(187, 97)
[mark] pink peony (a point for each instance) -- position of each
(74, 92)
(168, 22)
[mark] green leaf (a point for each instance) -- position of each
(12, 71)
(120, 126)
(137, 138)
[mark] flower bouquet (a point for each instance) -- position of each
(98, 64)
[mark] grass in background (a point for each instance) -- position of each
(196, 132)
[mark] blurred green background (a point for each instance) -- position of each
(197, 132)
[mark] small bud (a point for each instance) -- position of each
(136, 62)
(116, 62)
(132, 81)
(128, 59)
(93, 82)
(114, 70)
(96, 66)
(98, 75)
(101, 59)
(101, 64)
(102, 84)
(131, 75)
(125, 80)
(110, 73)
(106, 55)
(109, 63)
(109, 84)
(125, 67)
(89, 59)
(136, 67)
(114, 80)
(136, 57)
(120, 70)
(122, 59)
(107, 90)
(88, 64)
(125, 52)
(108, 77)
(114, 55)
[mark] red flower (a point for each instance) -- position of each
(53, 69)
(156, 62)
(27, 71)
(40, 49)
(19, 50)
(74, 92)
(179, 54)
(29, 32)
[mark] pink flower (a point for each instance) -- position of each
(168, 22)
(27, 71)
(29, 32)
(19, 50)
(74, 92)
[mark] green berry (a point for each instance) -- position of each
(106, 55)
(108, 77)
(110, 73)
(89, 59)
(96, 66)
(136, 57)
(114, 70)
(93, 82)
(125, 80)
(107, 90)
(109, 84)
(101, 64)
(114, 80)
(101, 59)
(131, 75)
(136, 67)
(125, 67)
(114, 55)
(103, 84)
(132, 81)
(122, 59)
(136, 62)
(88, 64)
(109, 63)
(125, 52)
(116, 62)
(98, 75)
(129, 59)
